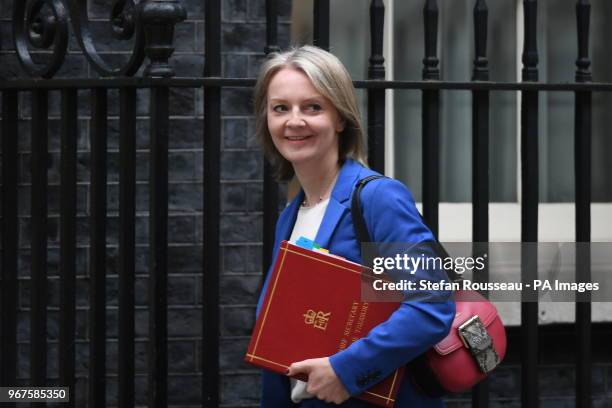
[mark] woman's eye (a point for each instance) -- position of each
(314, 107)
(279, 108)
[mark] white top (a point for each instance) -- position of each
(306, 225)
(308, 221)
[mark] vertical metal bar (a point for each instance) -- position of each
(10, 240)
(480, 163)
(68, 238)
(321, 24)
(158, 244)
(97, 251)
(376, 97)
(481, 63)
(270, 213)
(212, 207)
(271, 27)
(430, 62)
(431, 119)
(127, 208)
(38, 304)
(582, 163)
(270, 187)
(529, 210)
(582, 156)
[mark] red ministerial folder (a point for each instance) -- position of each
(312, 308)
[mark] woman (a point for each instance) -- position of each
(308, 123)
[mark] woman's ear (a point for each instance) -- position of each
(340, 125)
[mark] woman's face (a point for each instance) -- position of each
(304, 125)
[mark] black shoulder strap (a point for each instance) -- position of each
(361, 228)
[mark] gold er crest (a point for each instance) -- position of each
(317, 319)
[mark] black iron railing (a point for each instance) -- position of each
(150, 25)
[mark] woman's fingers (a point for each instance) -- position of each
(300, 367)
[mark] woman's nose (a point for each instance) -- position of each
(295, 120)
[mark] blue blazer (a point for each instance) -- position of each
(391, 216)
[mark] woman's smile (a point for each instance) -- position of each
(297, 138)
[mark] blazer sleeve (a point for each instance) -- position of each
(275, 388)
(391, 216)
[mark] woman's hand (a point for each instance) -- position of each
(322, 379)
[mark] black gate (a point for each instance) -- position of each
(44, 25)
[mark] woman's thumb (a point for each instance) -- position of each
(299, 367)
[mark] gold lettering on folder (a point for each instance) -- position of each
(317, 319)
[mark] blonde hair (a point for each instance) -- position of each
(331, 79)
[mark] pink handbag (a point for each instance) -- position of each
(465, 357)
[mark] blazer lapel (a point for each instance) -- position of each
(338, 202)
(332, 216)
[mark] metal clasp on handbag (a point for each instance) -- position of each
(475, 338)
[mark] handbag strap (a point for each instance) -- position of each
(361, 229)
(418, 368)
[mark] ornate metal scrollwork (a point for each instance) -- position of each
(41, 24)
(125, 26)
(123, 20)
